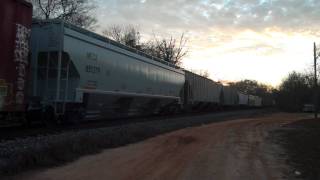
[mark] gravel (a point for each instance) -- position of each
(51, 150)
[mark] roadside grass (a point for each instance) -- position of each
(301, 142)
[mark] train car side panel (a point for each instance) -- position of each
(201, 91)
(258, 101)
(230, 96)
(15, 23)
(243, 99)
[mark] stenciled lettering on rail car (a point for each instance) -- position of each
(92, 56)
(92, 69)
(21, 52)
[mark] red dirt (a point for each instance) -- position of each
(226, 150)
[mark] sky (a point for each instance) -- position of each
(233, 40)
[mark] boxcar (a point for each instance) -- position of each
(201, 92)
(77, 70)
(15, 24)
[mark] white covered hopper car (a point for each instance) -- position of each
(79, 73)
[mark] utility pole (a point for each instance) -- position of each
(315, 82)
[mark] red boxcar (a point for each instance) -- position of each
(15, 27)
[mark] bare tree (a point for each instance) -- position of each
(171, 50)
(204, 73)
(200, 72)
(77, 12)
(128, 35)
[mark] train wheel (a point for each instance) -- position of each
(49, 117)
(25, 121)
(3, 116)
(75, 117)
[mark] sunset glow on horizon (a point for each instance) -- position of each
(233, 40)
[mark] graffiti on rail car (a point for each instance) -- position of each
(21, 58)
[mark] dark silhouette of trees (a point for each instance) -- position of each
(204, 73)
(171, 50)
(128, 35)
(252, 87)
(76, 12)
(200, 72)
(295, 91)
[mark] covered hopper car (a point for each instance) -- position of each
(76, 72)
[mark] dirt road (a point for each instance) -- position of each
(236, 149)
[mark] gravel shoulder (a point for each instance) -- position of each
(239, 149)
(49, 150)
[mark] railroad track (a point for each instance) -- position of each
(16, 132)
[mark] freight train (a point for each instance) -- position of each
(67, 73)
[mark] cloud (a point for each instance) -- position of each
(203, 14)
(258, 49)
(256, 29)
(212, 22)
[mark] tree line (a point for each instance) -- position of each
(300, 88)
(255, 88)
(296, 90)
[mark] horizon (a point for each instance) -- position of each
(259, 40)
